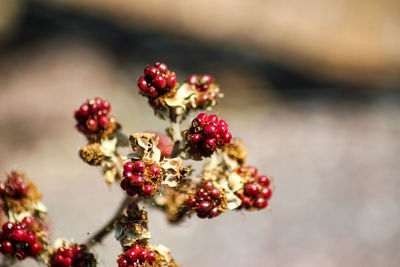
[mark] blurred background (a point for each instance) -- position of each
(311, 86)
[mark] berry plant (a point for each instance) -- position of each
(156, 173)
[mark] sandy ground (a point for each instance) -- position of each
(335, 163)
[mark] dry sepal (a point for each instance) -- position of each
(68, 254)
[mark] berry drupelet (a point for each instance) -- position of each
(142, 178)
(208, 201)
(256, 191)
(157, 81)
(137, 256)
(19, 240)
(75, 255)
(93, 120)
(206, 134)
(206, 90)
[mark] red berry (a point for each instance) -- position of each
(125, 184)
(196, 138)
(161, 67)
(104, 122)
(122, 262)
(7, 227)
(215, 193)
(67, 253)
(252, 171)
(138, 180)
(190, 202)
(203, 117)
(151, 72)
(206, 79)
(67, 262)
(142, 255)
(91, 124)
(128, 175)
(139, 166)
(208, 185)
(128, 166)
(76, 249)
(210, 144)
(204, 88)
(213, 118)
(260, 203)
(31, 239)
(21, 189)
(264, 180)
(148, 190)
(192, 79)
(214, 212)
(205, 206)
(28, 221)
(93, 108)
(19, 235)
(202, 214)
(227, 138)
(159, 82)
(152, 92)
(58, 259)
(150, 256)
(222, 129)
(137, 247)
(106, 107)
(222, 122)
(35, 249)
(154, 170)
(171, 81)
(251, 189)
(131, 255)
(267, 192)
(84, 111)
(7, 247)
(21, 255)
(210, 130)
(142, 84)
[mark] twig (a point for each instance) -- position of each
(109, 226)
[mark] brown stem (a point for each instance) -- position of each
(109, 226)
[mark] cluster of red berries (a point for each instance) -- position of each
(136, 256)
(141, 178)
(15, 186)
(157, 80)
(93, 119)
(205, 87)
(207, 133)
(18, 239)
(208, 201)
(77, 256)
(256, 191)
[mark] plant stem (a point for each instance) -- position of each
(109, 226)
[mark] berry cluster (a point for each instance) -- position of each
(15, 186)
(141, 177)
(137, 256)
(206, 134)
(208, 201)
(157, 80)
(206, 89)
(93, 120)
(256, 191)
(77, 256)
(18, 239)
